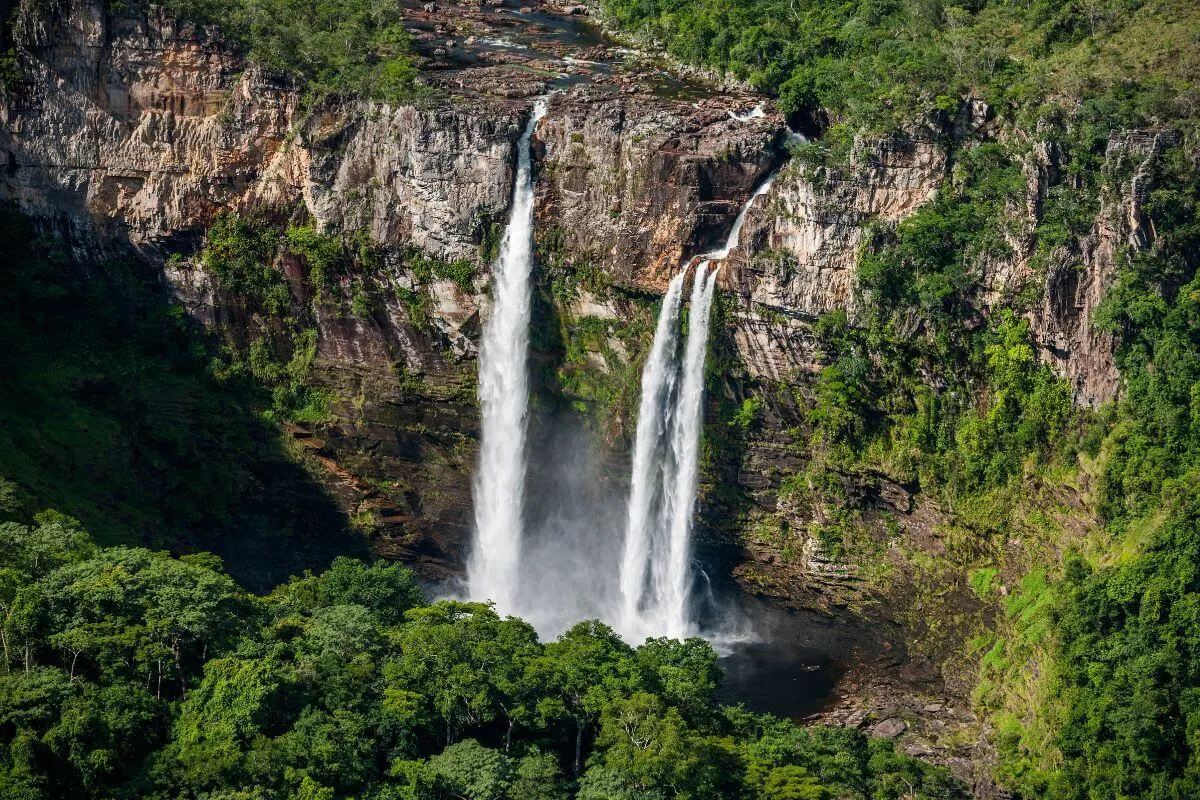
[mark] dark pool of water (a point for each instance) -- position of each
(779, 677)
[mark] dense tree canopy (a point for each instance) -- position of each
(877, 62)
(129, 673)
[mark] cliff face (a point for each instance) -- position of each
(136, 130)
(141, 128)
(1062, 321)
(637, 187)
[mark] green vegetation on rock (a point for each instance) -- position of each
(333, 47)
(883, 62)
(124, 413)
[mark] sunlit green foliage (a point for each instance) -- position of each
(333, 46)
(877, 62)
(128, 673)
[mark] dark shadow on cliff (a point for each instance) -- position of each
(725, 501)
(115, 411)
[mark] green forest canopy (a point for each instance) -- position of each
(129, 673)
(879, 62)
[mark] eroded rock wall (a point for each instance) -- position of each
(135, 130)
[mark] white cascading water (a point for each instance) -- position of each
(685, 445)
(648, 479)
(655, 569)
(495, 564)
(757, 112)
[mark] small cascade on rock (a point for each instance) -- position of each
(495, 564)
(656, 575)
(757, 112)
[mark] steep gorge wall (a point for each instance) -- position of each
(131, 132)
(137, 130)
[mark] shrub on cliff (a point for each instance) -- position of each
(357, 47)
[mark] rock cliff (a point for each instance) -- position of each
(134, 130)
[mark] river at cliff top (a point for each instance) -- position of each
(486, 48)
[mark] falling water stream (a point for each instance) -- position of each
(547, 573)
(685, 446)
(494, 570)
(650, 464)
(656, 574)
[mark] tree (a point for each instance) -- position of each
(237, 701)
(386, 589)
(103, 732)
(473, 771)
(685, 674)
(792, 783)
(581, 674)
(538, 778)
(54, 541)
(133, 614)
(651, 745)
(465, 665)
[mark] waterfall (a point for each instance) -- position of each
(655, 578)
(655, 568)
(495, 563)
(735, 233)
(685, 444)
(649, 464)
(757, 112)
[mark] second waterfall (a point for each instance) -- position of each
(655, 578)
(495, 565)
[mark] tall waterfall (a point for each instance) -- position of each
(495, 563)
(685, 444)
(655, 576)
(650, 459)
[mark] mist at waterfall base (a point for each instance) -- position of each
(586, 527)
(560, 536)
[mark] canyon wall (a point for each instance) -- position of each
(132, 131)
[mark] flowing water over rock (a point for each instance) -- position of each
(685, 444)
(495, 567)
(558, 573)
(648, 478)
(656, 574)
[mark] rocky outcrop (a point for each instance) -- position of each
(801, 244)
(1063, 323)
(139, 128)
(635, 188)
